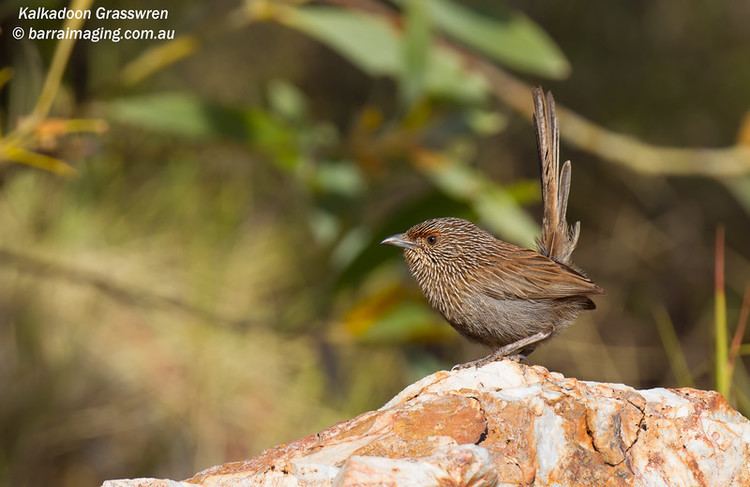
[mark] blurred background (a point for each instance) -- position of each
(189, 259)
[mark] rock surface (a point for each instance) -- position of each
(510, 424)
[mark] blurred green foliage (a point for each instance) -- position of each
(209, 281)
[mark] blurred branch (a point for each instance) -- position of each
(16, 145)
(720, 318)
(161, 56)
(621, 149)
(45, 269)
(37, 160)
(57, 68)
(492, 202)
(739, 332)
(677, 360)
(157, 58)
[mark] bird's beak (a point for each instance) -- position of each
(399, 240)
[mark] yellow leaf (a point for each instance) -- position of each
(34, 159)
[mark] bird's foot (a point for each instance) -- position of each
(493, 357)
(509, 352)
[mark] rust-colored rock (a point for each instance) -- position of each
(511, 424)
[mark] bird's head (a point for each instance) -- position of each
(448, 244)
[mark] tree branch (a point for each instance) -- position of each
(621, 149)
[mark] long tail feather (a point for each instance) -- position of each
(558, 240)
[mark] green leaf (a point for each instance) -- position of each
(340, 178)
(188, 116)
(412, 211)
(503, 214)
(524, 191)
(350, 245)
(178, 114)
(272, 136)
(287, 100)
(416, 47)
(365, 40)
(406, 322)
(514, 40)
(485, 122)
(324, 226)
(376, 47)
(494, 205)
(448, 77)
(34, 159)
(740, 188)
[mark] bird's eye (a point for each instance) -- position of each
(432, 240)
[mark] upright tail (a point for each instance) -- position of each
(558, 240)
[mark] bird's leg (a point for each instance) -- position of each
(510, 351)
(518, 345)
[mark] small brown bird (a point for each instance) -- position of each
(496, 293)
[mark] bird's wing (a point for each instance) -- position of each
(526, 274)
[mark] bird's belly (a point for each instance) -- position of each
(498, 322)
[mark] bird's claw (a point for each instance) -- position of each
(493, 357)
